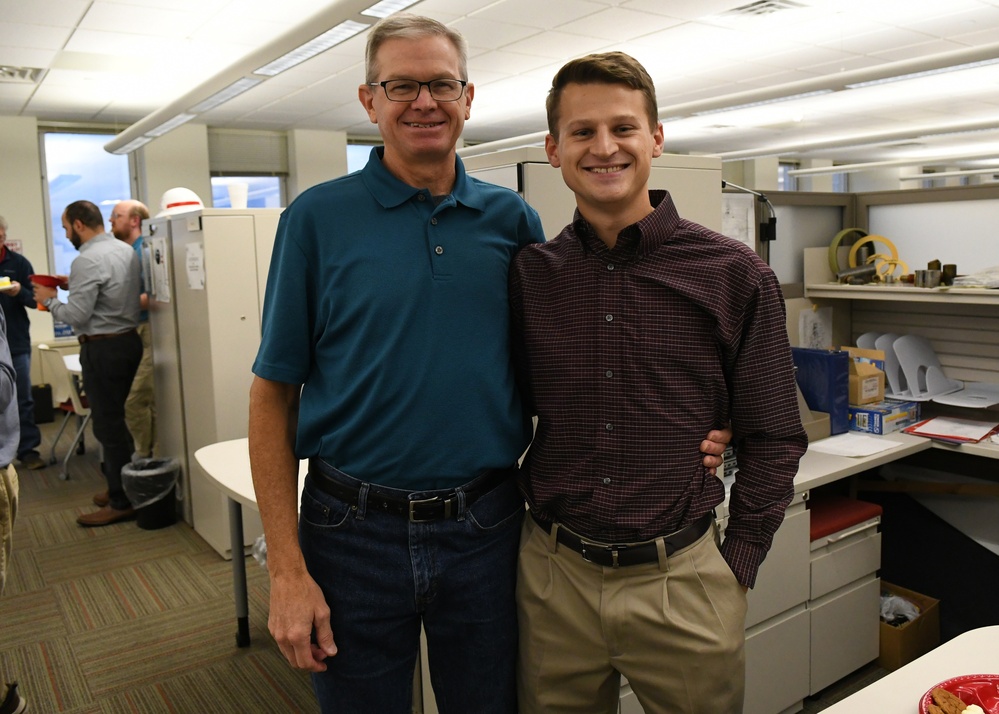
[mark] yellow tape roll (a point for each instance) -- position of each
(834, 247)
(852, 261)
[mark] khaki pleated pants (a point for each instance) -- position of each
(675, 629)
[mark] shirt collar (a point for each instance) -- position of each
(639, 239)
(390, 192)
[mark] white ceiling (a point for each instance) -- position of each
(114, 62)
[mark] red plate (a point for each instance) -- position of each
(49, 281)
(980, 689)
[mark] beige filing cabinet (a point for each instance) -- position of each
(777, 621)
(694, 182)
(844, 602)
(207, 270)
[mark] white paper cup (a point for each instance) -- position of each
(237, 194)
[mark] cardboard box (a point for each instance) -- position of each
(867, 384)
(901, 645)
(875, 357)
(867, 376)
(816, 424)
(883, 417)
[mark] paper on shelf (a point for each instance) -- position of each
(853, 444)
(953, 429)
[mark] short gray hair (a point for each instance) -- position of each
(411, 27)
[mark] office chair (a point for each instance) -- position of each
(76, 404)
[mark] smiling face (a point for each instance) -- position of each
(422, 133)
(605, 148)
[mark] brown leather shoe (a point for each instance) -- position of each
(102, 499)
(105, 517)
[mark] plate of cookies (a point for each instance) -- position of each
(968, 694)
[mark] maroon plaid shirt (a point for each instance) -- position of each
(630, 356)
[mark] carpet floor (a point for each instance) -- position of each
(121, 620)
(118, 619)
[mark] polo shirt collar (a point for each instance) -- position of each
(390, 192)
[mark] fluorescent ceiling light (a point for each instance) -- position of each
(948, 174)
(762, 102)
(925, 73)
(387, 7)
(133, 145)
(224, 95)
(169, 125)
(332, 37)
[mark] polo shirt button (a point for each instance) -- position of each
(433, 221)
(609, 427)
(420, 197)
(607, 481)
(439, 250)
(609, 318)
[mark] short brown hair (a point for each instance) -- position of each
(86, 213)
(603, 68)
(405, 26)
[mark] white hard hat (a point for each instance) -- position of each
(179, 200)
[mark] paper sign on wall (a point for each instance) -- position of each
(195, 266)
(159, 268)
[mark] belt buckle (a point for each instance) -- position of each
(612, 549)
(423, 501)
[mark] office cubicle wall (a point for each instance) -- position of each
(957, 225)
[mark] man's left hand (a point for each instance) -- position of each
(714, 446)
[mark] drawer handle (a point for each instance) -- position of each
(859, 529)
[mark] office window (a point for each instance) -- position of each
(77, 167)
(357, 156)
(262, 191)
(785, 181)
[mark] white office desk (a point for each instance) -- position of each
(227, 464)
(974, 652)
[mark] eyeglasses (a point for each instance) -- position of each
(408, 90)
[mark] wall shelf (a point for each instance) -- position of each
(964, 296)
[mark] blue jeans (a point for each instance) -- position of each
(31, 437)
(383, 576)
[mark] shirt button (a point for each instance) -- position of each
(420, 197)
(610, 266)
(439, 250)
(609, 318)
(608, 373)
(607, 481)
(433, 221)
(609, 427)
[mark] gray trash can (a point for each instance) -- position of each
(151, 486)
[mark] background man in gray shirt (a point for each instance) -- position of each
(103, 310)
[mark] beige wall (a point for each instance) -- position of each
(21, 202)
(313, 157)
(178, 158)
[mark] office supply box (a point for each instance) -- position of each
(883, 417)
(900, 645)
(867, 376)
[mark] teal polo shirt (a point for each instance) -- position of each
(391, 310)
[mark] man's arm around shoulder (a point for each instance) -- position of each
(297, 605)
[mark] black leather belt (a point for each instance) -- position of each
(84, 339)
(614, 556)
(436, 507)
